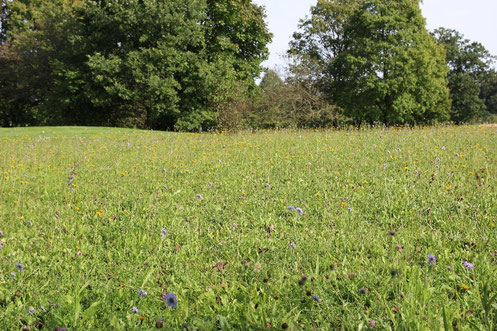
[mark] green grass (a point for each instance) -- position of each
(227, 257)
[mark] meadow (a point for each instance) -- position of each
(389, 229)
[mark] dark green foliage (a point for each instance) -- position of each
(376, 60)
(144, 63)
(470, 76)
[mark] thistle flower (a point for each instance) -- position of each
(431, 259)
(468, 266)
(171, 300)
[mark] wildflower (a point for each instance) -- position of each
(349, 210)
(437, 166)
(210, 184)
(399, 247)
(291, 208)
(302, 280)
(13, 274)
(163, 233)
(171, 300)
(165, 187)
(372, 323)
(315, 297)
(31, 311)
(362, 290)
(19, 266)
(300, 211)
(142, 293)
(292, 245)
(43, 308)
(268, 186)
(468, 266)
(392, 233)
(385, 165)
(199, 197)
(134, 310)
(235, 225)
(163, 170)
(30, 223)
(1, 233)
(431, 259)
(464, 288)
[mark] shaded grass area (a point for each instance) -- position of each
(84, 209)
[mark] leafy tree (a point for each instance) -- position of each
(149, 63)
(470, 75)
(377, 61)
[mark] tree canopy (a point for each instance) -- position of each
(376, 60)
(150, 63)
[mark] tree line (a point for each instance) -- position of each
(191, 65)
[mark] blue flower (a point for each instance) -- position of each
(163, 233)
(171, 300)
(20, 267)
(291, 208)
(134, 310)
(31, 311)
(315, 297)
(13, 274)
(300, 211)
(468, 266)
(142, 293)
(431, 259)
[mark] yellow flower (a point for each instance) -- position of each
(16, 202)
(344, 204)
(464, 287)
(447, 187)
(76, 208)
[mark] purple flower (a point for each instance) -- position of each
(292, 245)
(315, 297)
(268, 186)
(171, 300)
(13, 274)
(163, 170)
(291, 208)
(30, 223)
(300, 211)
(31, 311)
(19, 266)
(134, 310)
(431, 259)
(210, 184)
(43, 308)
(362, 290)
(142, 293)
(1, 233)
(165, 187)
(199, 197)
(349, 210)
(70, 177)
(372, 323)
(468, 266)
(163, 233)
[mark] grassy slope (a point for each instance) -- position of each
(435, 188)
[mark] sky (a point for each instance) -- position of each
(475, 19)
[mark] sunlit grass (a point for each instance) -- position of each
(374, 205)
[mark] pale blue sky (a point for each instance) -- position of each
(476, 19)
